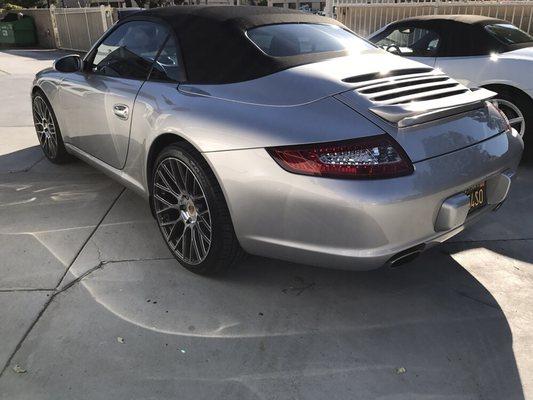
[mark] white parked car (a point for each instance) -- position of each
(478, 52)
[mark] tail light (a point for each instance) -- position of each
(367, 158)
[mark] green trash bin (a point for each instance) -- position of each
(17, 32)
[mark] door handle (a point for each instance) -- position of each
(122, 111)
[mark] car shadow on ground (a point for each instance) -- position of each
(277, 330)
(268, 329)
(20, 160)
(431, 317)
(274, 330)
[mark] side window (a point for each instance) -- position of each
(411, 41)
(129, 51)
(167, 67)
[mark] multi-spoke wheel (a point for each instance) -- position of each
(518, 108)
(191, 212)
(513, 114)
(47, 130)
(182, 211)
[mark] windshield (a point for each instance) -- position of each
(285, 40)
(508, 34)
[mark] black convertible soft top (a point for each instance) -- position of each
(214, 45)
(463, 35)
(463, 19)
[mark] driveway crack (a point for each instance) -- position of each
(102, 264)
(480, 301)
(55, 292)
(90, 237)
(49, 301)
(21, 171)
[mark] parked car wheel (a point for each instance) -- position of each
(519, 110)
(191, 212)
(47, 129)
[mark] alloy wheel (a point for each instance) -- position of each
(182, 211)
(45, 127)
(513, 114)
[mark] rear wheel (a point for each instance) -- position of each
(518, 109)
(47, 130)
(191, 212)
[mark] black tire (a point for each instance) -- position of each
(224, 249)
(52, 142)
(525, 105)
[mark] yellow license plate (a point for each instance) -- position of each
(478, 196)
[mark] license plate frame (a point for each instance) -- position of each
(477, 195)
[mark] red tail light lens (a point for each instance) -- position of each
(367, 158)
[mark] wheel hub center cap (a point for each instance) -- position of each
(189, 213)
(46, 128)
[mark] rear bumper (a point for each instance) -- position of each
(351, 224)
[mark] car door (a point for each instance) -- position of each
(414, 42)
(467, 70)
(97, 102)
(465, 56)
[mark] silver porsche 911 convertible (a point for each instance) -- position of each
(277, 133)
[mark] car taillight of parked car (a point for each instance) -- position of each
(374, 157)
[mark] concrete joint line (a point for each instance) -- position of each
(55, 292)
(10, 290)
(90, 236)
(17, 126)
(41, 312)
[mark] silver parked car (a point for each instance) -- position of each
(279, 133)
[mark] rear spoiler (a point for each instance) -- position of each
(419, 112)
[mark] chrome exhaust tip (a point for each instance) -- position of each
(406, 256)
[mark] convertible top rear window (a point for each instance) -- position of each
(286, 40)
(508, 34)
(216, 49)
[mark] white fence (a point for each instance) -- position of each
(366, 18)
(79, 28)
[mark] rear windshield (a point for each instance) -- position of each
(508, 34)
(285, 40)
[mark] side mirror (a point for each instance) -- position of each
(70, 63)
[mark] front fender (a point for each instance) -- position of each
(49, 82)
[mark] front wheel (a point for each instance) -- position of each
(191, 212)
(47, 130)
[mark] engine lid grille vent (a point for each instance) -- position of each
(406, 86)
(416, 95)
(388, 74)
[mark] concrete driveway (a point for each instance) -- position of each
(92, 306)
